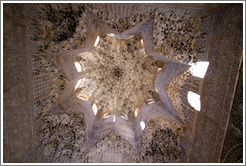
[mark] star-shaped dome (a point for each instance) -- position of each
(118, 75)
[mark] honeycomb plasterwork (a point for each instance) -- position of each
(57, 83)
(58, 27)
(115, 145)
(129, 16)
(176, 33)
(118, 74)
(127, 70)
(161, 142)
(63, 137)
(173, 91)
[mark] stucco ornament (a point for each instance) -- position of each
(121, 71)
(118, 75)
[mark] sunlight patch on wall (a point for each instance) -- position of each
(199, 69)
(194, 100)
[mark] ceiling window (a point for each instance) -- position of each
(194, 100)
(97, 41)
(83, 97)
(150, 101)
(107, 115)
(78, 66)
(158, 71)
(142, 125)
(136, 112)
(111, 34)
(142, 43)
(130, 37)
(124, 116)
(114, 118)
(94, 109)
(77, 85)
(156, 90)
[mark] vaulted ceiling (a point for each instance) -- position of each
(109, 82)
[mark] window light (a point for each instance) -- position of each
(199, 69)
(77, 85)
(97, 41)
(137, 110)
(94, 108)
(106, 115)
(158, 71)
(83, 97)
(124, 116)
(156, 90)
(150, 101)
(129, 37)
(194, 100)
(142, 125)
(78, 66)
(111, 34)
(114, 118)
(142, 43)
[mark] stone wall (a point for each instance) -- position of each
(224, 55)
(17, 109)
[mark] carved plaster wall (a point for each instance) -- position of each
(225, 56)
(17, 100)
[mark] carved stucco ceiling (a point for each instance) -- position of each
(121, 71)
(120, 74)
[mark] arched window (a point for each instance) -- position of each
(150, 101)
(94, 109)
(114, 118)
(130, 37)
(194, 100)
(111, 34)
(124, 116)
(142, 43)
(83, 97)
(97, 41)
(78, 66)
(156, 90)
(158, 71)
(77, 85)
(142, 125)
(136, 112)
(107, 115)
